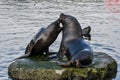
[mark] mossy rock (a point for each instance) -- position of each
(104, 68)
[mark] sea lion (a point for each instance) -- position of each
(42, 40)
(73, 46)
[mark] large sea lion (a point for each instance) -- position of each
(73, 46)
(42, 40)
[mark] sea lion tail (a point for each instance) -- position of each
(23, 56)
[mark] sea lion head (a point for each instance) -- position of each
(70, 23)
(58, 24)
(68, 20)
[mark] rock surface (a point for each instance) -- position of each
(104, 68)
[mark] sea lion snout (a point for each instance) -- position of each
(58, 22)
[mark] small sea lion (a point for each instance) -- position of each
(42, 40)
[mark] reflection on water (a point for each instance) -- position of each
(21, 19)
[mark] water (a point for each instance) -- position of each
(21, 19)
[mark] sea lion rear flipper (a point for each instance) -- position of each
(23, 56)
(86, 32)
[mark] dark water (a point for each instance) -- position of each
(21, 19)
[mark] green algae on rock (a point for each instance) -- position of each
(104, 68)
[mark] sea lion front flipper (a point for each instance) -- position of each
(63, 64)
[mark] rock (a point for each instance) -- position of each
(103, 68)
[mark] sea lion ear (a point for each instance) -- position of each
(86, 32)
(61, 25)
